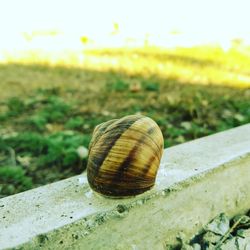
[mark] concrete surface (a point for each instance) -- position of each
(196, 181)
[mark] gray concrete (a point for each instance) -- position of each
(196, 181)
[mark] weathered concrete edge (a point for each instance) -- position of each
(177, 204)
(57, 206)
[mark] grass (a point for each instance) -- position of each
(48, 112)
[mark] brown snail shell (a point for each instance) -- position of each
(124, 156)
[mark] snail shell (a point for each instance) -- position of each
(124, 156)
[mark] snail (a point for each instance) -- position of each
(124, 156)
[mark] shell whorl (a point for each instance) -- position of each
(124, 156)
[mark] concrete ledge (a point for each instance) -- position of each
(196, 181)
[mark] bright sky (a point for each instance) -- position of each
(200, 18)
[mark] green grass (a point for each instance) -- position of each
(47, 112)
(14, 180)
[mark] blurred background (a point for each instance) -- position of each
(66, 66)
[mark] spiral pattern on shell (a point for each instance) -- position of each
(124, 156)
